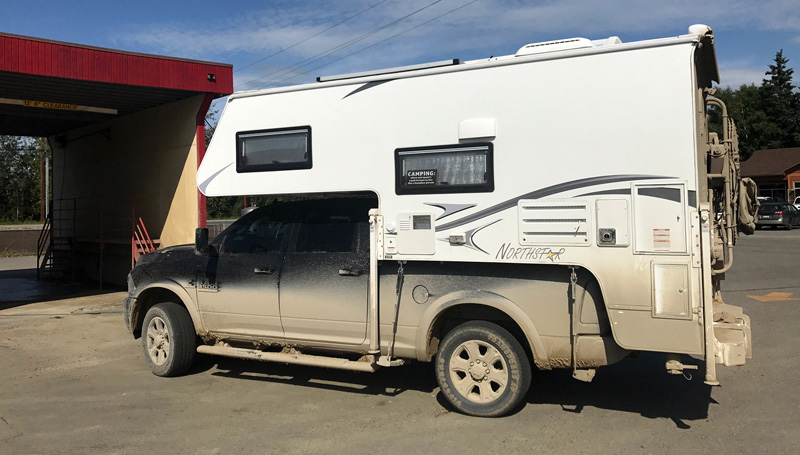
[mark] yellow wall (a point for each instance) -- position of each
(143, 163)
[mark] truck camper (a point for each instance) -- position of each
(561, 207)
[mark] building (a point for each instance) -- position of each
(776, 171)
(127, 132)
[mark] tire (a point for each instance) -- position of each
(168, 339)
(482, 369)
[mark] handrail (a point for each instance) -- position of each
(45, 237)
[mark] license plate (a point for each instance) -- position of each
(763, 217)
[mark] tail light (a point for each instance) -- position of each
(779, 212)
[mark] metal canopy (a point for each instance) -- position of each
(49, 87)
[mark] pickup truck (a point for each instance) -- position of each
(289, 283)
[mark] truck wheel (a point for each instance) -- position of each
(168, 339)
(482, 369)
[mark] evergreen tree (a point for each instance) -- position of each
(780, 103)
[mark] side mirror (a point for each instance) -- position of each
(201, 241)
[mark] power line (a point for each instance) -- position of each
(344, 45)
(379, 42)
(310, 37)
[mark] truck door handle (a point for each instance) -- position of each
(260, 271)
(351, 272)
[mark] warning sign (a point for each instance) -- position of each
(422, 177)
(661, 239)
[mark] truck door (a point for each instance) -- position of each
(237, 291)
(325, 277)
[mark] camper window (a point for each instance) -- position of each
(273, 150)
(444, 169)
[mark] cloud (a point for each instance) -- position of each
(477, 30)
(736, 77)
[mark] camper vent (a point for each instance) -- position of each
(549, 223)
(554, 46)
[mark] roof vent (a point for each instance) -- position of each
(554, 46)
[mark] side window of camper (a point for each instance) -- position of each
(444, 169)
(273, 150)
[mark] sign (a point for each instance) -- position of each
(58, 106)
(422, 177)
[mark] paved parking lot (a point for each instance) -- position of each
(73, 381)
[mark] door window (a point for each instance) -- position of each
(326, 234)
(259, 233)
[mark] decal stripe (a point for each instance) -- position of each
(621, 191)
(669, 194)
(204, 185)
(366, 86)
(548, 191)
(449, 209)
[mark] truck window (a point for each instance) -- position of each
(326, 234)
(444, 169)
(256, 234)
(274, 149)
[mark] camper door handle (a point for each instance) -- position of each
(260, 271)
(351, 272)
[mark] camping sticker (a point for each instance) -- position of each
(422, 177)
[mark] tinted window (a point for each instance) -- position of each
(273, 150)
(326, 233)
(257, 233)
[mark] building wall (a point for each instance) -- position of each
(793, 181)
(108, 175)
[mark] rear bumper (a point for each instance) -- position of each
(775, 222)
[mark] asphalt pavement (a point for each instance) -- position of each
(73, 381)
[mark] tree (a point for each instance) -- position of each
(756, 130)
(780, 102)
(20, 174)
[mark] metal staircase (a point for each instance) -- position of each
(54, 254)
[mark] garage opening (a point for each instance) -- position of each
(127, 132)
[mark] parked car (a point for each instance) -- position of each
(797, 202)
(778, 214)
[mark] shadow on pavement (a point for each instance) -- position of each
(639, 385)
(20, 287)
(388, 382)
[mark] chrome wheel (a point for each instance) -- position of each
(157, 341)
(478, 371)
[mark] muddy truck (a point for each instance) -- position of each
(561, 207)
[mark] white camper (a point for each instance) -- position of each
(582, 171)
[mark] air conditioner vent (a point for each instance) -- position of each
(553, 222)
(554, 46)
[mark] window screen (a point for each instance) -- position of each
(273, 150)
(444, 169)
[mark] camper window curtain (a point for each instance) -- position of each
(444, 169)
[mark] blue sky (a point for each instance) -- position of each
(244, 33)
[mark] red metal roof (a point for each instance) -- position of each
(49, 87)
(36, 56)
(771, 162)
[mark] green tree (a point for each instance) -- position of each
(756, 130)
(780, 102)
(20, 174)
